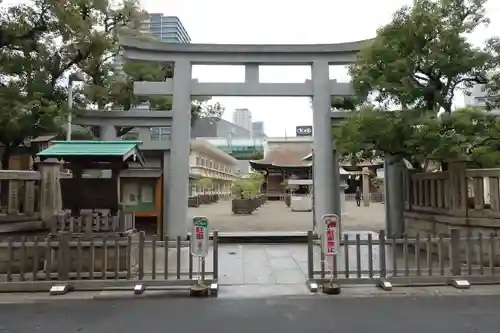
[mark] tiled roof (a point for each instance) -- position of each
(285, 157)
(44, 138)
(89, 148)
(102, 149)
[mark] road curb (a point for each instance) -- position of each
(347, 292)
(122, 295)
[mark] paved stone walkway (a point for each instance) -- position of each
(286, 264)
(267, 265)
(275, 216)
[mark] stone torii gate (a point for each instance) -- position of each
(183, 87)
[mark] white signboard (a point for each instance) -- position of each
(330, 240)
(199, 236)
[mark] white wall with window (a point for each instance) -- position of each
(160, 133)
(477, 96)
(208, 161)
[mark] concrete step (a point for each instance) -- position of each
(262, 237)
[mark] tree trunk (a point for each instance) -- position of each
(426, 165)
(417, 166)
(4, 184)
(7, 153)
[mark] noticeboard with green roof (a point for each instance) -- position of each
(97, 151)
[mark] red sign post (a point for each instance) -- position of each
(330, 240)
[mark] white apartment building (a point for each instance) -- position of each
(208, 161)
(478, 97)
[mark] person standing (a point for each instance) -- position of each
(358, 196)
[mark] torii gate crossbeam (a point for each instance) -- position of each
(183, 87)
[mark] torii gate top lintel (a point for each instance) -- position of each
(239, 54)
(182, 87)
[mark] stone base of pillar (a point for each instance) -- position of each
(366, 187)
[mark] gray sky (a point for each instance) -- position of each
(283, 22)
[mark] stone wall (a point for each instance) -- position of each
(440, 225)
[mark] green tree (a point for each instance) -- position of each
(415, 64)
(370, 133)
(346, 102)
(422, 56)
(205, 184)
(493, 84)
(421, 136)
(109, 85)
(247, 187)
(41, 42)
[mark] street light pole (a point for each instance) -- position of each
(73, 77)
(70, 111)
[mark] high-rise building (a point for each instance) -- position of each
(217, 128)
(243, 118)
(169, 29)
(258, 129)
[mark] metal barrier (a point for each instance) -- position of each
(386, 261)
(94, 262)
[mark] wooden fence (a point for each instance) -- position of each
(99, 261)
(21, 190)
(462, 193)
(23, 196)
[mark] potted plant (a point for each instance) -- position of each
(241, 202)
(245, 193)
(205, 184)
(256, 180)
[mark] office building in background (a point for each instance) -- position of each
(258, 129)
(169, 29)
(218, 128)
(243, 118)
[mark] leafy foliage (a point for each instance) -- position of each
(44, 41)
(248, 187)
(346, 102)
(493, 84)
(205, 184)
(420, 136)
(112, 86)
(422, 56)
(416, 64)
(41, 42)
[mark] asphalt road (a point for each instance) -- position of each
(283, 315)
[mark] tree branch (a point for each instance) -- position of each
(40, 26)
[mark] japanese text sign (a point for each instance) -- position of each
(330, 239)
(199, 236)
